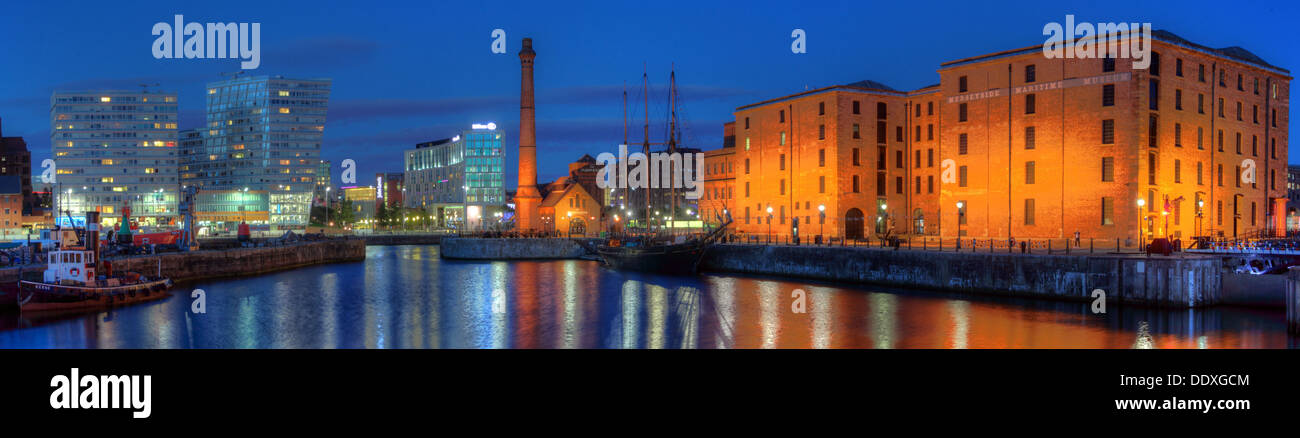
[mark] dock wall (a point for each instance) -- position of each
(1182, 282)
(1293, 299)
(204, 264)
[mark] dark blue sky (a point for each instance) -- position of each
(406, 72)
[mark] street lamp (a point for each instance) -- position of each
(327, 204)
(821, 211)
(1200, 209)
(769, 224)
(1141, 239)
(961, 217)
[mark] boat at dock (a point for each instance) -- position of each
(679, 256)
(72, 278)
(664, 250)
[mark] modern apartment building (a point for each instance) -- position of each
(113, 149)
(263, 134)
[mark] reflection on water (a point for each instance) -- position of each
(406, 297)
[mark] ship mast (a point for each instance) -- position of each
(625, 140)
(645, 146)
(672, 143)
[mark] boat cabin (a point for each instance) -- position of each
(76, 266)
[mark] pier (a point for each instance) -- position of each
(215, 263)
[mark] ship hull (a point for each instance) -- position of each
(42, 297)
(673, 259)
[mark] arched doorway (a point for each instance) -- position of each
(918, 222)
(577, 227)
(853, 224)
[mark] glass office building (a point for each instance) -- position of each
(459, 176)
(263, 134)
(116, 148)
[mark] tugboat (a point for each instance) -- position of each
(72, 281)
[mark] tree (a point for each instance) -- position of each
(381, 215)
(318, 216)
(346, 214)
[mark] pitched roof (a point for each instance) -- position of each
(870, 84)
(555, 196)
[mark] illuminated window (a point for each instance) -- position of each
(284, 93)
(108, 162)
(105, 99)
(284, 111)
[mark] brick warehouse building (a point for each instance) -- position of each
(719, 178)
(1030, 146)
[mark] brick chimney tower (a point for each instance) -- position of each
(527, 198)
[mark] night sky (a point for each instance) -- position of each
(407, 72)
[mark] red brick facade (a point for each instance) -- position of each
(1075, 157)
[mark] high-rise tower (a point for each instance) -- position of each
(527, 198)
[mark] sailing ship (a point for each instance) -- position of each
(659, 252)
(72, 277)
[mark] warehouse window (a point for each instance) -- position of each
(1108, 95)
(961, 144)
(1029, 137)
(1108, 131)
(1029, 73)
(1153, 94)
(1029, 172)
(1107, 169)
(961, 176)
(1029, 212)
(1107, 210)
(1152, 130)
(961, 84)
(961, 112)
(1029, 103)
(1151, 169)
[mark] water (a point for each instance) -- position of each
(406, 297)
